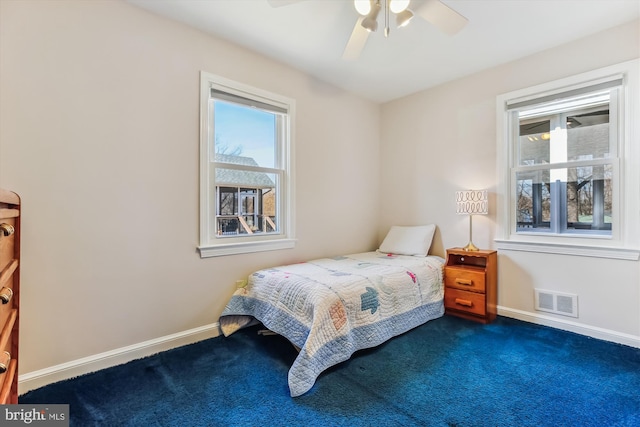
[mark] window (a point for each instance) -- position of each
(245, 169)
(565, 158)
(566, 165)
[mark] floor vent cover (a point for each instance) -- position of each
(556, 302)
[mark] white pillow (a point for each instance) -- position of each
(414, 240)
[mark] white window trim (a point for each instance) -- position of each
(624, 243)
(246, 244)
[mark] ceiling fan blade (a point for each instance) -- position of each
(278, 3)
(441, 16)
(356, 42)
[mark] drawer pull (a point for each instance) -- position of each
(5, 357)
(464, 302)
(6, 230)
(465, 282)
(5, 295)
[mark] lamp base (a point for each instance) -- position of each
(471, 247)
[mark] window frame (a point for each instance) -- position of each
(558, 223)
(623, 243)
(211, 246)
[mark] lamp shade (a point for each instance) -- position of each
(472, 202)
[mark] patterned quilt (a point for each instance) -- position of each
(332, 307)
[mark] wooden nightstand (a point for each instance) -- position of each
(471, 284)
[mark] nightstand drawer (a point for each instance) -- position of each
(465, 279)
(470, 302)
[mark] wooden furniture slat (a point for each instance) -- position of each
(9, 197)
(5, 335)
(7, 272)
(9, 213)
(6, 393)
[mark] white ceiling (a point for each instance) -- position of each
(311, 36)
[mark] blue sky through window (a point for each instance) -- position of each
(249, 128)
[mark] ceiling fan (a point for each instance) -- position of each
(435, 12)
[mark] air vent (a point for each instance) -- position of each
(556, 302)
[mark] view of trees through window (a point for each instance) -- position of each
(564, 173)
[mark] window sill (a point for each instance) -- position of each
(245, 247)
(564, 249)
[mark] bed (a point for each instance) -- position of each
(329, 308)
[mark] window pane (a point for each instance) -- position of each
(244, 133)
(533, 147)
(577, 129)
(533, 200)
(589, 198)
(247, 202)
(588, 135)
(565, 199)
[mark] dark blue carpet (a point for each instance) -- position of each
(448, 372)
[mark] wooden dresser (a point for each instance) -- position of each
(9, 295)
(471, 284)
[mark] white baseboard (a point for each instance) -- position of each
(572, 326)
(74, 368)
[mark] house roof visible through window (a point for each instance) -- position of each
(241, 178)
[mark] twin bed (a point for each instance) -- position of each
(329, 308)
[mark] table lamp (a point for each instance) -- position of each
(471, 202)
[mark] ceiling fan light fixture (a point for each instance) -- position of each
(370, 23)
(403, 18)
(398, 6)
(363, 7)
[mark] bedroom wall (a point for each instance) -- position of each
(99, 122)
(444, 139)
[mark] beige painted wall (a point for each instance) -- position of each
(444, 139)
(99, 119)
